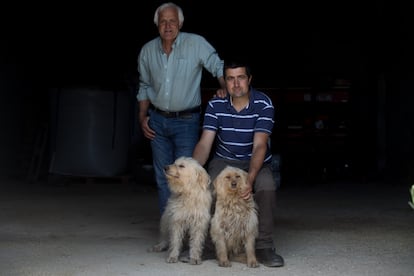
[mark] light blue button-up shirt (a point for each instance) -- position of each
(172, 83)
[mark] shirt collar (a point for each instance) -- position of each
(176, 42)
(251, 100)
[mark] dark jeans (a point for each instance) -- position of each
(175, 137)
(264, 194)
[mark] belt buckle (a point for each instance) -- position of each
(168, 114)
(185, 115)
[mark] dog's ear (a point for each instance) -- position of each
(203, 177)
(218, 183)
(244, 175)
(215, 184)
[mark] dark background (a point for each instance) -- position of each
(283, 40)
(288, 44)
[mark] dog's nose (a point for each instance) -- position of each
(233, 184)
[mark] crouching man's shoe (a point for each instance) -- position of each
(268, 257)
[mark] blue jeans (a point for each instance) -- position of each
(175, 137)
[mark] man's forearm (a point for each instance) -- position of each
(143, 110)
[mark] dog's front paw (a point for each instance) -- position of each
(196, 261)
(172, 259)
(224, 263)
(252, 263)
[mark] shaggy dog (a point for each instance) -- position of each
(187, 214)
(234, 225)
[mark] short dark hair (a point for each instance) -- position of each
(236, 64)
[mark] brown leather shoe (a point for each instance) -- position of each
(268, 257)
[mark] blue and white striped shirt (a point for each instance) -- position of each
(235, 130)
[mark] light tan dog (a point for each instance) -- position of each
(234, 225)
(187, 214)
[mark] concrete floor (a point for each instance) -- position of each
(104, 228)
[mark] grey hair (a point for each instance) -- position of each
(169, 5)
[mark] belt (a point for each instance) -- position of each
(178, 114)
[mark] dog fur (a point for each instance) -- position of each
(234, 225)
(188, 211)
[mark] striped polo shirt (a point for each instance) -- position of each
(235, 130)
